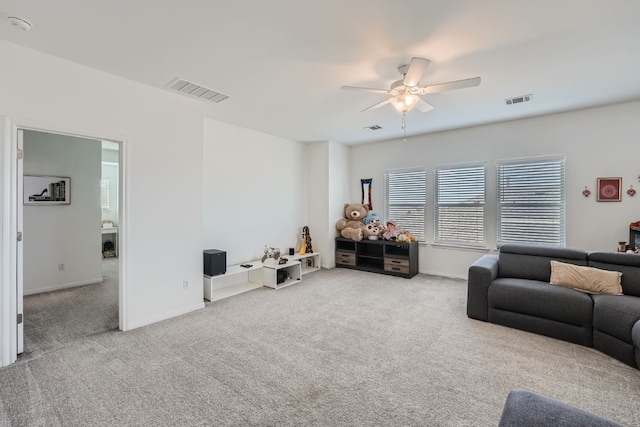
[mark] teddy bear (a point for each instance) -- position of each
(372, 231)
(351, 226)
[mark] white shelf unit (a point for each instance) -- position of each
(240, 279)
(270, 274)
(235, 281)
(308, 262)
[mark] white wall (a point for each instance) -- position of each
(598, 142)
(162, 244)
(62, 234)
(339, 184)
(254, 191)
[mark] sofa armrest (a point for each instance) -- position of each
(528, 409)
(481, 274)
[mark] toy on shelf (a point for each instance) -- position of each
(273, 253)
(306, 247)
(352, 225)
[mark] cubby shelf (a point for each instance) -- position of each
(378, 256)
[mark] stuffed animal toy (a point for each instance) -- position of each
(270, 253)
(351, 226)
(372, 218)
(372, 231)
(393, 231)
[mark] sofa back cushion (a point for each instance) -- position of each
(627, 264)
(526, 261)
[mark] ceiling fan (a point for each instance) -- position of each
(406, 91)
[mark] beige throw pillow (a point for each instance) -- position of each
(586, 279)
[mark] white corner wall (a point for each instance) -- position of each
(254, 191)
(162, 243)
(62, 234)
(597, 142)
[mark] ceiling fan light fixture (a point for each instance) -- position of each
(404, 102)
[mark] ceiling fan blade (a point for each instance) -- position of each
(423, 106)
(416, 69)
(366, 89)
(458, 84)
(378, 105)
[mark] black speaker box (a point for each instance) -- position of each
(215, 262)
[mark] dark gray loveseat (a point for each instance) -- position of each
(512, 289)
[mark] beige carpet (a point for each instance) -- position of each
(342, 348)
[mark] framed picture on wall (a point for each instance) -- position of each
(609, 189)
(46, 190)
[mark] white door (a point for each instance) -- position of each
(19, 259)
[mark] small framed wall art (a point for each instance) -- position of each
(47, 190)
(609, 189)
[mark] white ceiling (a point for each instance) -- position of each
(282, 62)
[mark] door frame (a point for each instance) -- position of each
(10, 199)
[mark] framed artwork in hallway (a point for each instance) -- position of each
(47, 190)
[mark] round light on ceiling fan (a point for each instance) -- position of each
(404, 102)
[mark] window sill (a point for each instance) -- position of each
(461, 247)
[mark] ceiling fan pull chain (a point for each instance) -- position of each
(404, 126)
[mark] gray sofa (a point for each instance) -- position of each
(524, 408)
(512, 289)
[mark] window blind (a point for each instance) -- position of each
(531, 201)
(460, 205)
(405, 198)
(104, 195)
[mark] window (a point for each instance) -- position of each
(405, 198)
(104, 195)
(531, 201)
(459, 205)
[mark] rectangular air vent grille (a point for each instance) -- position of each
(196, 91)
(518, 99)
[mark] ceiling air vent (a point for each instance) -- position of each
(374, 127)
(518, 99)
(196, 91)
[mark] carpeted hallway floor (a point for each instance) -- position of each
(342, 348)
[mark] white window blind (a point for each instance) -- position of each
(460, 205)
(531, 201)
(104, 195)
(405, 198)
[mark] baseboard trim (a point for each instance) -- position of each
(447, 275)
(63, 286)
(164, 316)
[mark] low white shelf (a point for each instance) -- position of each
(308, 262)
(241, 279)
(291, 271)
(235, 281)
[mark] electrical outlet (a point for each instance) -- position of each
(186, 284)
(60, 266)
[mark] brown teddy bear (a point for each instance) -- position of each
(352, 225)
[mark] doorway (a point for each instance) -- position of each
(69, 276)
(70, 288)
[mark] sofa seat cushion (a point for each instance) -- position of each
(540, 299)
(616, 315)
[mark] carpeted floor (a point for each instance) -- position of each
(53, 319)
(342, 348)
